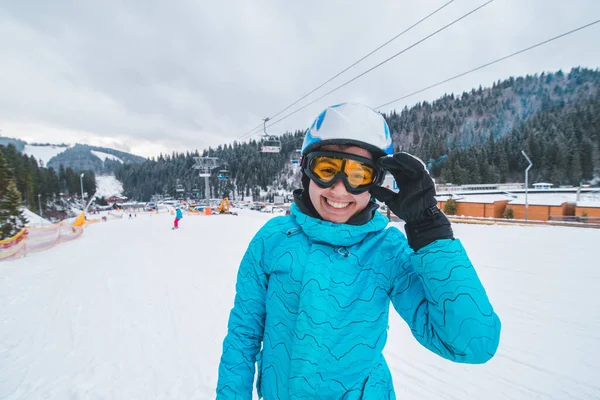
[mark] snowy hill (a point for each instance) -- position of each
(103, 156)
(101, 160)
(108, 185)
(34, 220)
(44, 152)
(146, 320)
(80, 157)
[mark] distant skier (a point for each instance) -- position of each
(178, 216)
(314, 288)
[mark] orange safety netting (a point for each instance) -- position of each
(31, 240)
(14, 247)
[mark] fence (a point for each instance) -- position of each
(32, 240)
(14, 247)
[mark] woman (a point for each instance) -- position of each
(314, 287)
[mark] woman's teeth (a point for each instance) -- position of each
(335, 204)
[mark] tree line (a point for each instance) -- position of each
(478, 137)
(23, 182)
(242, 170)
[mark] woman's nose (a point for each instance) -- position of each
(339, 187)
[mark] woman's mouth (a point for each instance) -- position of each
(338, 205)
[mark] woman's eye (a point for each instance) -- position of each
(328, 171)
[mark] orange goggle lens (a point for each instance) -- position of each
(357, 173)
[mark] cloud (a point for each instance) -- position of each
(162, 76)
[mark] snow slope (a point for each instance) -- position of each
(34, 220)
(108, 185)
(44, 153)
(103, 156)
(134, 310)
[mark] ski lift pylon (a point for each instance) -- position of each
(271, 144)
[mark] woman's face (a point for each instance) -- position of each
(335, 204)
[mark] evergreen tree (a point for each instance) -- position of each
(32, 180)
(4, 174)
(12, 219)
(587, 159)
(575, 170)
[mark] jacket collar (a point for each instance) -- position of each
(334, 234)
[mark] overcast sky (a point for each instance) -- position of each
(151, 76)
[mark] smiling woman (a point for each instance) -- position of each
(314, 287)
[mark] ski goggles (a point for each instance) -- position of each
(325, 168)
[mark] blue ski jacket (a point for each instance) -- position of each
(178, 214)
(312, 303)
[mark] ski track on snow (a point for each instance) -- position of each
(134, 310)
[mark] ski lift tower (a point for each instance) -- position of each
(206, 165)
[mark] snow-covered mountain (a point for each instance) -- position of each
(101, 160)
(44, 153)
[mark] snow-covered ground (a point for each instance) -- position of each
(33, 219)
(108, 185)
(103, 156)
(44, 153)
(134, 310)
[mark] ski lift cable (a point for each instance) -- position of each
(490, 63)
(479, 67)
(354, 64)
(460, 75)
(384, 61)
(364, 57)
(464, 73)
(251, 132)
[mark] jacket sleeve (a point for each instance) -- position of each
(438, 293)
(245, 327)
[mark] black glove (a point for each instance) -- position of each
(415, 202)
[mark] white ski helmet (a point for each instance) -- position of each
(350, 124)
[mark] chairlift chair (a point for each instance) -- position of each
(296, 155)
(223, 175)
(271, 144)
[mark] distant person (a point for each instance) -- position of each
(178, 216)
(314, 287)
